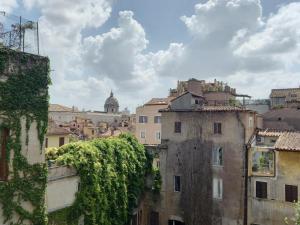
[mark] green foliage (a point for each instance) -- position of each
(60, 217)
(112, 172)
(24, 95)
(157, 181)
(296, 219)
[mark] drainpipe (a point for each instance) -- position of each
(245, 218)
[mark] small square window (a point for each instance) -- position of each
(177, 183)
(143, 119)
(157, 119)
(217, 128)
(261, 189)
(177, 127)
(143, 134)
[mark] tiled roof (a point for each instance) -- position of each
(288, 141)
(283, 92)
(210, 109)
(54, 129)
(159, 101)
(59, 108)
(267, 133)
(184, 93)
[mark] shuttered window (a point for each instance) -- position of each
(61, 141)
(217, 128)
(177, 127)
(4, 132)
(291, 193)
(154, 218)
(261, 189)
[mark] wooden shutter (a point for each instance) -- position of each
(291, 193)
(261, 189)
(154, 218)
(61, 141)
(4, 132)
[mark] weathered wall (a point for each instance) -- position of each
(274, 209)
(189, 154)
(61, 188)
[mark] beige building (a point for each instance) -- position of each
(288, 97)
(274, 177)
(56, 136)
(201, 161)
(148, 121)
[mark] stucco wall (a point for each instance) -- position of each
(53, 140)
(61, 188)
(150, 127)
(188, 154)
(274, 209)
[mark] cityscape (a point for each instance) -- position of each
(82, 142)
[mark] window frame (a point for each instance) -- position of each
(156, 134)
(177, 127)
(177, 183)
(293, 195)
(144, 132)
(157, 119)
(218, 195)
(263, 193)
(216, 155)
(61, 143)
(143, 119)
(217, 128)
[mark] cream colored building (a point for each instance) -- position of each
(148, 121)
(56, 136)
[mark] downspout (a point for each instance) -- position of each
(245, 218)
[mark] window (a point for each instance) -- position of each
(175, 222)
(250, 122)
(217, 128)
(196, 101)
(291, 193)
(154, 218)
(4, 132)
(263, 162)
(157, 135)
(261, 189)
(177, 183)
(177, 127)
(46, 143)
(61, 141)
(217, 156)
(217, 188)
(143, 119)
(93, 132)
(157, 119)
(143, 134)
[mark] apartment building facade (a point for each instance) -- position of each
(148, 121)
(202, 164)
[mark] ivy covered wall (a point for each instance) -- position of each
(112, 175)
(24, 80)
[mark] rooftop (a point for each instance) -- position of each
(54, 129)
(159, 101)
(59, 108)
(210, 109)
(283, 92)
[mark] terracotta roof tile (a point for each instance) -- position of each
(288, 141)
(54, 129)
(159, 101)
(210, 109)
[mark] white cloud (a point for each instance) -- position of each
(230, 40)
(8, 5)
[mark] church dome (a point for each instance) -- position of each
(111, 104)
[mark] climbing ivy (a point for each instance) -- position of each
(24, 80)
(112, 172)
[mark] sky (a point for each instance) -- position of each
(140, 48)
